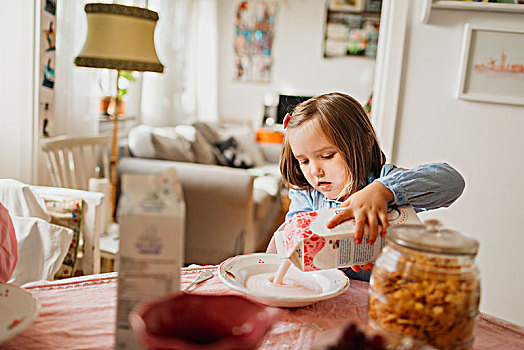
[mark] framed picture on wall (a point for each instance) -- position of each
(492, 66)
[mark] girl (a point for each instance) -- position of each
(331, 157)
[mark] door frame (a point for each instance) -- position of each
(388, 72)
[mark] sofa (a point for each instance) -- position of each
(231, 184)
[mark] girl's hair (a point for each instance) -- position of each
(346, 125)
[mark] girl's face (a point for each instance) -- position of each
(320, 161)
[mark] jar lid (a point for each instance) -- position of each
(430, 237)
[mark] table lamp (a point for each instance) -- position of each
(122, 38)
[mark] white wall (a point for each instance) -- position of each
(298, 68)
(16, 90)
(484, 141)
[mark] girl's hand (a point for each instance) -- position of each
(367, 206)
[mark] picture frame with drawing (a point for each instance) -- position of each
(492, 65)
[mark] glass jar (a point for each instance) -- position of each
(426, 285)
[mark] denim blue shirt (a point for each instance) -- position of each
(425, 187)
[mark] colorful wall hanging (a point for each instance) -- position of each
(254, 25)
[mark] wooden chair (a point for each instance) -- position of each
(73, 159)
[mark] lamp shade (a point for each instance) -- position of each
(120, 37)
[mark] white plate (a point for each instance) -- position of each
(234, 271)
(19, 310)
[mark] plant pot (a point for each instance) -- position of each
(107, 106)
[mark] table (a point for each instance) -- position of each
(79, 313)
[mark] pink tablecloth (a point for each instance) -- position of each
(79, 313)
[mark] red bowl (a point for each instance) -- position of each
(191, 321)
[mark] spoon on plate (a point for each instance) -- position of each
(204, 276)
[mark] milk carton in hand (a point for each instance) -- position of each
(310, 245)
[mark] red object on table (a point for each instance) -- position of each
(79, 313)
(189, 321)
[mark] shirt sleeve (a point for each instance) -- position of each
(425, 187)
(300, 201)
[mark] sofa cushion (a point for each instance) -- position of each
(140, 143)
(208, 131)
(263, 202)
(169, 145)
(172, 147)
(203, 151)
(269, 183)
(266, 188)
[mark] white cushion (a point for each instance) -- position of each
(269, 184)
(20, 200)
(41, 249)
(140, 143)
(266, 188)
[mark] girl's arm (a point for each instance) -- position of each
(425, 187)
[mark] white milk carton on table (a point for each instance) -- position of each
(151, 219)
(311, 246)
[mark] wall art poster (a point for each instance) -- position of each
(492, 67)
(254, 25)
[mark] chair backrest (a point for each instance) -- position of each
(73, 159)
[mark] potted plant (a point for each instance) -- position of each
(107, 101)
